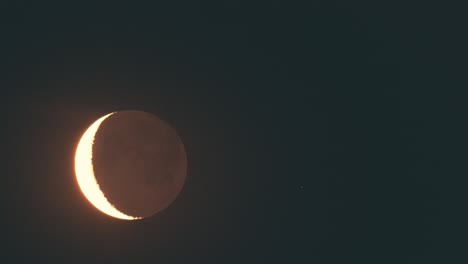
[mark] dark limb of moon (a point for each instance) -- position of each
(139, 162)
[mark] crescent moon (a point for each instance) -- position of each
(85, 173)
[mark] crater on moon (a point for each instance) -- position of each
(139, 162)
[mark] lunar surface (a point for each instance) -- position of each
(138, 162)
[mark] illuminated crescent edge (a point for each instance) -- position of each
(85, 173)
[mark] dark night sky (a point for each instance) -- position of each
(321, 132)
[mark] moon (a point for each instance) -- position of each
(130, 164)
